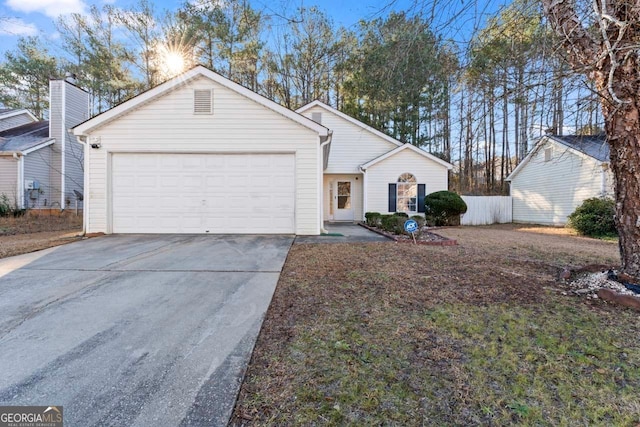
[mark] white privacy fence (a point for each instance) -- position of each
(485, 210)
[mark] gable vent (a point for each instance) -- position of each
(202, 101)
(317, 117)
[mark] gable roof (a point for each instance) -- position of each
(199, 70)
(36, 128)
(6, 113)
(26, 138)
(595, 146)
(349, 119)
(590, 146)
(410, 147)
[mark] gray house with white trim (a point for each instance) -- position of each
(41, 162)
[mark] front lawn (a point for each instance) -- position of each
(478, 334)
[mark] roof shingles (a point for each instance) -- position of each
(595, 146)
(24, 137)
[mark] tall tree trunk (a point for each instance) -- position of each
(623, 132)
(612, 60)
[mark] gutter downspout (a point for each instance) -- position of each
(20, 184)
(603, 179)
(321, 180)
(365, 186)
(85, 186)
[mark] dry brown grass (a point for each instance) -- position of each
(478, 334)
(36, 231)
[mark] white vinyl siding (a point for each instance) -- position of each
(380, 175)
(167, 124)
(9, 178)
(546, 192)
(356, 195)
(15, 121)
(36, 168)
(351, 145)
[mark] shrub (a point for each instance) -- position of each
(5, 205)
(594, 217)
(419, 219)
(401, 214)
(392, 223)
(373, 219)
(444, 208)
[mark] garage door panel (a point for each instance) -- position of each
(142, 161)
(180, 193)
(214, 181)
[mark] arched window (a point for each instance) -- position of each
(407, 193)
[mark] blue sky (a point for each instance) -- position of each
(37, 17)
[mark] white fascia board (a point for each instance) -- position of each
(17, 113)
(542, 142)
(83, 129)
(578, 153)
(526, 159)
(413, 148)
(46, 143)
(349, 119)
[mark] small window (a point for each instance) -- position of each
(547, 154)
(317, 117)
(203, 101)
(407, 193)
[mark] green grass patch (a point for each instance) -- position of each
(552, 365)
(463, 365)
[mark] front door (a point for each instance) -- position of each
(343, 201)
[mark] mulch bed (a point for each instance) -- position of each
(424, 237)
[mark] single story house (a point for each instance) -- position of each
(369, 171)
(41, 163)
(557, 175)
(202, 154)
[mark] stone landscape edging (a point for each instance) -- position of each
(609, 295)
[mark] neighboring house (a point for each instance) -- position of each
(41, 163)
(557, 175)
(10, 118)
(368, 171)
(201, 154)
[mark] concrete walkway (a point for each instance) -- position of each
(349, 231)
(135, 330)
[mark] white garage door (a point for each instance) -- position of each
(203, 193)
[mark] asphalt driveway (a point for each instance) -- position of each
(135, 330)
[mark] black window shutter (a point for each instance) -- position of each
(392, 197)
(421, 191)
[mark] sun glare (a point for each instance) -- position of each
(174, 63)
(173, 60)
